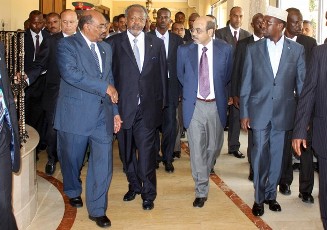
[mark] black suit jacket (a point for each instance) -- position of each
(149, 86)
(173, 83)
(226, 35)
(308, 43)
(10, 104)
(313, 99)
(35, 89)
(47, 60)
(187, 36)
(239, 58)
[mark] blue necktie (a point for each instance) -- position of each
(95, 55)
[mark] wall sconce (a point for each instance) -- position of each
(154, 14)
(148, 5)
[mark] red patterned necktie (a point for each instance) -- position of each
(235, 36)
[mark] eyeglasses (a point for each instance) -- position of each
(197, 30)
(134, 19)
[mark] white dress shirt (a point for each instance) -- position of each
(210, 62)
(275, 53)
(140, 44)
(96, 49)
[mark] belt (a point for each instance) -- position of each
(206, 100)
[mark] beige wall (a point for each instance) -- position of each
(15, 12)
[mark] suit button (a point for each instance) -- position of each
(274, 84)
(101, 101)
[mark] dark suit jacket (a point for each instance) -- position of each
(226, 35)
(173, 83)
(239, 58)
(83, 87)
(308, 43)
(313, 99)
(187, 71)
(149, 86)
(188, 36)
(36, 88)
(265, 98)
(47, 60)
(10, 104)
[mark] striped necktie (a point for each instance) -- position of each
(95, 55)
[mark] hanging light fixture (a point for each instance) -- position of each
(148, 5)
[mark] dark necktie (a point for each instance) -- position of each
(95, 55)
(235, 37)
(137, 54)
(37, 44)
(204, 84)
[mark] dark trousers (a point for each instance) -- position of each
(169, 127)
(323, 190)
(286, 176)
(7, 218)
(141, 167)
(234, 129)
(51, 137)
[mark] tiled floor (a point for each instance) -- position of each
(173, 206)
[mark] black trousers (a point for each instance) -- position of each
(7, 218)
(234, 129)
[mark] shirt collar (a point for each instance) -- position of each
(279, 43)
(131, 37)
(256, 38)
(159, 35)
(232, 29)
(87, 40)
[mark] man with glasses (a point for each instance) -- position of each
(274, 69)
(87, 114)
(204, 69)
(140, 72)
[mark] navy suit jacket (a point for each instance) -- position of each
(10, 104)
(313, 99)
(187, 72)
(83, 87)
(149, 86)
(265, 98)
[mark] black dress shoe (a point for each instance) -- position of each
(130, 195)
(169, 167)
(212, 172)
(177, 154)
(285, 189)
(199, 202)
(237, 154)
(258, 209)
(273, 205)
(306, 197)
(50, 168)
(147, 204)
(76, 202)
(102, 221)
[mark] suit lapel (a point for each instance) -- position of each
(147, 49)
(265, 54)
(126, 46)
(194, 58)
(103, 58)
(171, 44)
(285, 55)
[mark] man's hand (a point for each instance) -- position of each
(113, 94)
(297, 143)
(117, 123)
(230, 101)
(236, 102)
(245, 124)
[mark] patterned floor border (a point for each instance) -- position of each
(234, 197)
(70, 212)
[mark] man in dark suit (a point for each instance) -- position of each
(274, 69)
(53, 23)
(47, 61)
(293, 31)
(121, 25)
(239, 58)
(86, 114)
(313, 102)
(9, 146)
(140, 72)
(34, 92)
(231, 34)
(204, 69)
(169, 122)
(191, 19)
